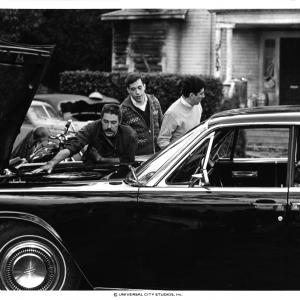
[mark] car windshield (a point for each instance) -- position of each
(41, 113)
(52, 113)
(161, 158)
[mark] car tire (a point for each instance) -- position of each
(31, 259)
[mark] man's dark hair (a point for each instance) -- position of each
(40, 133)
(192, 84)
(131, 78)
(113, 109)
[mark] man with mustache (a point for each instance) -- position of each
(107, 140)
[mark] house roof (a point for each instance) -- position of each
(142, 14)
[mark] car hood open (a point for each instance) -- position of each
(21, 70)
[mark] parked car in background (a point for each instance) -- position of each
(77, 107)
(41, 113)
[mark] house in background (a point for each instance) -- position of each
(261, 46)
(172, 40)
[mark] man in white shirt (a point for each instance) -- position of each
(185, 113)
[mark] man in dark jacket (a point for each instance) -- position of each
(108, 141)
(143, 113)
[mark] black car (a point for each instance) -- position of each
(217, 209)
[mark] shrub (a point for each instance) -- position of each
(166, 87)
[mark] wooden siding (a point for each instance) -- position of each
(173, 46)
(171, 49)
(195, 44)
(245, 62)
(245, 57)
(138, 45)
(147, 39)
(120, 46)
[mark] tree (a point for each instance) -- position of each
(82, 40)
(15, 23)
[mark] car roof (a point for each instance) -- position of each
(272, 114)
(55, 99)
(37, 102)
(58, 98)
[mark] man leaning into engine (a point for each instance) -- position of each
(107, 140)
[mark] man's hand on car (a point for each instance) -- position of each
(47, 168)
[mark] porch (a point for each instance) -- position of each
(260, 46)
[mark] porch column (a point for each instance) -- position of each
(229, 29)
(217, 60)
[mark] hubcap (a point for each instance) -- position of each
(31, 265)
(29, 270)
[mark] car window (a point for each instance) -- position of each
(222, 144)
(159, 160)
(191, 165)
(37, 113)
(43, 112)
(52, 113)
(262, 143)
(249, 157)
(221, 148)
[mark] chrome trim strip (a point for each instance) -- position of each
(211, 139)
(244, 174)
(258, 116)
(274, 160)
(86, 187)
(178, 188)
(294, 189)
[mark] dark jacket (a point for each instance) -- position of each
(147, 137)
(123, 145)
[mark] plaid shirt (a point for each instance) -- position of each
(147, 137)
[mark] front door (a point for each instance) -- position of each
(228, 233)
(289, 71)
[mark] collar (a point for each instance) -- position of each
(185, 103)
(110, 140)
(128, 103)
(138, 105)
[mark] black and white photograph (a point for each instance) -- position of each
(149, 152)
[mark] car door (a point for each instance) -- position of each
(211, 236)
(293, 241)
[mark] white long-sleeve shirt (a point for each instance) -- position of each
(178, 119)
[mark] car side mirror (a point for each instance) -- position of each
(201, 178)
